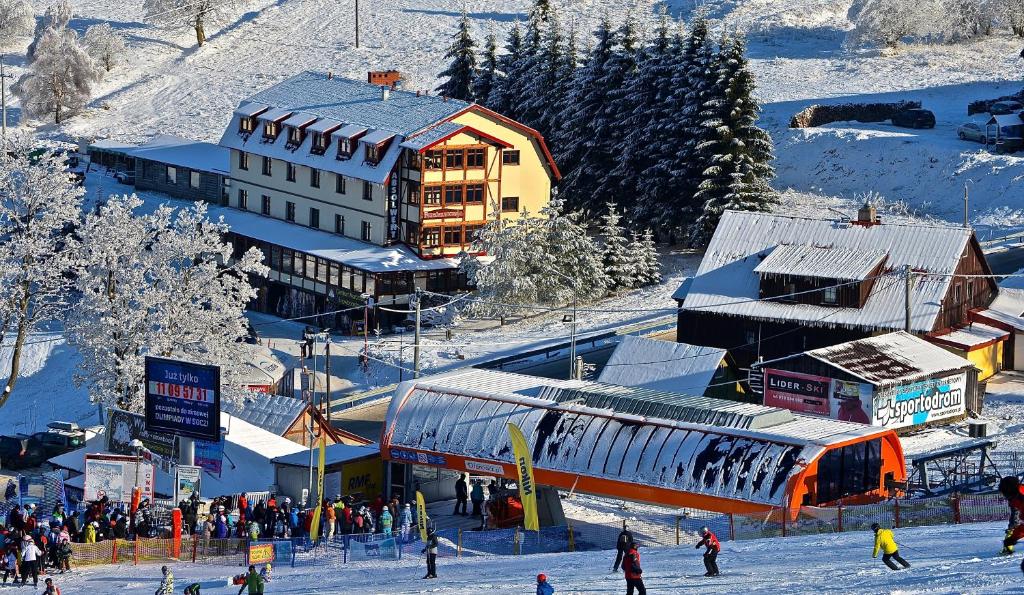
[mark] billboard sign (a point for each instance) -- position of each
(209, 455)
(804, 393)
(186, 482)
(115, 476)
(921, 402)
(182, 398)
(123, 427)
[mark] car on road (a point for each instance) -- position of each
(973, 131)
(914, 118)
(21, 453)
(1005, 107)
(61, 437)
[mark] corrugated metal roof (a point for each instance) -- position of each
(358, 102)
(662, 365)
(376, 137)
(273, 413)
(333, 454)
(890, 359)
(350, 130)
(829, 262)
(466, 414)
(323, 125)
(299, 119)
(274, 114)
(727, 283)
(974, 334)
(432, 135)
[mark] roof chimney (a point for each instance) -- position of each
(867, 215)
(385, 93)
(330, 75)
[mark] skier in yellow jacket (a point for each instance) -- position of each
(886, 542)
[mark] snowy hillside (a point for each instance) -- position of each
(953, 559)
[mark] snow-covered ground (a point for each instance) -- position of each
(946, 559)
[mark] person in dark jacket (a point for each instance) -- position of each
(622, 545)
(1011, 489)
(543, 588)
(709, 541)
(476, 495)
(461, 495)
(431, 551)
(631, 567)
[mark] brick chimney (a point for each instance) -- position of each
(391, 78)
(867, 215)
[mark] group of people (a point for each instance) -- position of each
(388, 517)
(30, 547)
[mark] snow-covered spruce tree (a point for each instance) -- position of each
(106, 45)
(458, 77)
(502, 92)
(520, 73)
(182, 14)
(648, 267)
(16, 20)
(540, 98)
(577, 139)
(483, 81)
(617, 255)
(39, 202)
(571, 262)
(738, 174)
(60, 74)
(157, 284)
(511, 277)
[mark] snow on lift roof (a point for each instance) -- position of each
(299, 119)
(892, 358)
(662, 365)
(829, 262)
(249, 109)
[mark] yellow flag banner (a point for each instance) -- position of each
(314, 527)
(527, 487)
(421, 515)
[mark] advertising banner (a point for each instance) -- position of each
(362, 478)
(373, 550)
(115, 476)
(797, 392)
(421, 516)
(186, 482)
(182, 398)
(210, 456)
(123, 427)
(527, 487)
(314, 527)
(921, 402)
(261, 553)
(851, 401)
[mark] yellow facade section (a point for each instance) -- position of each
(988, 360)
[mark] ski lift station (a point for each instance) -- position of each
(636, 444)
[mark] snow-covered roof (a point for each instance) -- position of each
(248, 450)
(358, 102)
(377, 137)
(465, 414)
(249, 109)
(333, 454)
(183, 152)
(275, 114)
(432, 135)
(273, 413)
(1006, 309)
(727, 282)
(975, 334)
(299, 119)
(350, 130)
(662, 365)
(323, 125)
(828, 262)
(108, 144)
(1014, 280)
(1006, 120)
(893, 358)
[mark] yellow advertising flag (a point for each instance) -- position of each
(421, 515)
(314, 526)
(527, 487)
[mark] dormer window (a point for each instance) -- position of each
(345, 148)
(271, 130)
(295, 136)
(373, 154)
(320, 142)
(246, 125)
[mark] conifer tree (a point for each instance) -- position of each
(648, 267)
(501, 96)
(483, 83)
(461, 70)
(617, 253)
(740, 168)
(544, 78)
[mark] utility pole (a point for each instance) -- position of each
(416, 345)
(966, 220)
(3, 100)
(357, 24)
(907, 281)
(572, 339)
(327, 371)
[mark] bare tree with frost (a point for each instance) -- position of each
(180, 14)
(16, 20)
(106, 45)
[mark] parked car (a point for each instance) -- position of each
(21, 453)
(61, 437)
(1005, 107)
(973, 131)
(914, 118)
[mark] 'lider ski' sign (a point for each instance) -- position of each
(182, 398)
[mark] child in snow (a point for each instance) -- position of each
(634, 574)
(267, 572)
(885, 541)
(51, 589)
(9, 564)
(543, 588)
(192, 589)
(1011, 489)
(709, 541)
(167, 584)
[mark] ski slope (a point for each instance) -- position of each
(948, 559)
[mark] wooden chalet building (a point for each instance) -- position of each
(772, 285)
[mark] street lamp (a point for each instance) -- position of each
(572, 336)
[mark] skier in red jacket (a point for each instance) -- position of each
(631, 566)
(709, 541)
(1011, 489)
